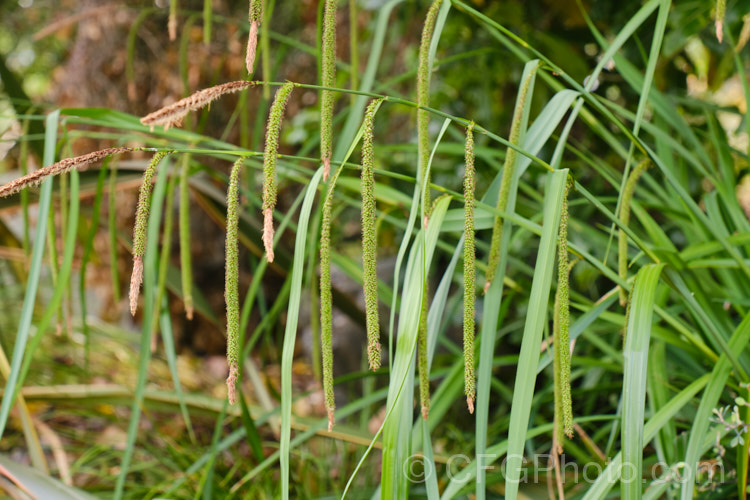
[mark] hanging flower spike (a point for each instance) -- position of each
(423, 100)
(469, 269)
(508, 169)
(328, 80)
(186, 266)
(422, 361)
(254, 16)
(172, 24)
(561, 336)
(174, 114)
(721, 7)
(627, 198)
(369, 238)
(326, 301)
(273, 130)
(139, 231)
(231, 277)
(79, 163)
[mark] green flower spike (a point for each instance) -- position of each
(469, 269)
(507, 179)
(369, 239)
(627, 198)
(139, 233)
(561, 337)
(273, 130)
(423, 100)
(328, 80)
(231, 277)
(254, 16)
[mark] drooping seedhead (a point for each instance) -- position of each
(174, 114)
(273, 130)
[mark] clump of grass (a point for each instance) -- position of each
(273, 130)
(174, 114)
(139, 230)
(561, 335)
(469, 269)
(254, 16)
(231, 276)
(328, 80)
(507, 179)
(370, 239)
(79, 163)
(423, 100)
(627, 197)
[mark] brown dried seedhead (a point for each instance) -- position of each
(79, 163)
(174, 114)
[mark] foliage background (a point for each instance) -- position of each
(64, 61)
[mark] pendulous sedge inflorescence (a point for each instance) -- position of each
(255, 16)
(186, 266)
(721, 8)
(423, 369)
(172, 23)
(561, 333)
(469, 268)
(139, 231)
(328, 79)
(78, 163)
(231, 277)
(174, 114)
(369, 238)
(507, 180)
(326, 300)
(627, 198)
(273, 130)
(423, 99)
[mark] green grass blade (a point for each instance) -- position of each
(661, 24)
(430, 472)
(24, 326)
(357, 110)
(88, 247)
(34, 446)
(63, 281)
(207, 480)
(532, 334)
(398, 421)
(112, 227)
(493, 296)
(167, 338)
(290, 333)
(207, 22)
(658, 488)
(149, 310)
(709, 401)
(637, 340)
(251, 430)
(404, 362)
(611, 473)
(406, 240)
